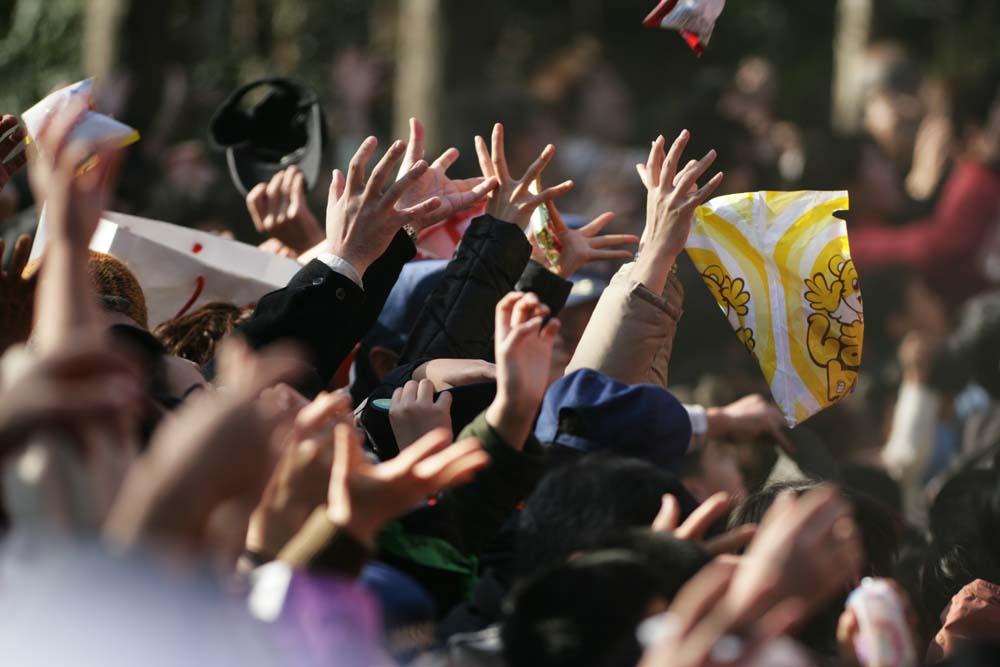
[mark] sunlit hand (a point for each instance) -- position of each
(413, 412)
(512, 201)
(523, 342)
(698, 523)
(671, 200)
(361, 219)
(584, 245)
(455, 195)
(300, 480)
(73, 203)
(279, 210)
(364, 497)
(12, 166)
(747, 419)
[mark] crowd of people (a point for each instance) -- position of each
(492, 459)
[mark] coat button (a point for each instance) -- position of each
(341, 294)
(318, 281)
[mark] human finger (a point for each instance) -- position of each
(669, 166)
(446, 159)
(654, 162)
(549, 194)
(498, 157)
(383, 169)
(669, 515)
(356, 169)
(707, 513)
(485, 161)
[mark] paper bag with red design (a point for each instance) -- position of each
(180, 268)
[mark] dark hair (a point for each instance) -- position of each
(194, 336)
(581, 613)
(975, 340)
(965, 537)
(581, 505)
(881, 532)
(881, 528)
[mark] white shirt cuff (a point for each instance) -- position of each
(699, 419)
(341, 266)
(699, 425)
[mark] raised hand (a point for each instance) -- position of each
(806, 549)
(582, 246)
(512, 201)
(300, 480)
(12, 166)
(671, 200)
(747, 419)
(414, 412)
(216, 450)
(361, 218)
(79, 385)
(523, 342)
(73, 203)
(279, 211)
(17, 295)
(363, 497)
(698, 523)
(455, 195)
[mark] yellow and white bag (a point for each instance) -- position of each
(779, 265)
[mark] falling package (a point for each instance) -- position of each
(181, 269)
(694, 19)
(93, 127)
(779, 265)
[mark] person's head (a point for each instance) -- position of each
(975, 340)
(880, 537)
(880, 528)
(711, 469)
(965, 537)
(194, 336)
(833, 162)
(591, 412)
(583, 504)
(975, 100)
(583, 612)
(892, 110)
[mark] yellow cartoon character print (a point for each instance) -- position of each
(834, 335)
(732, 296)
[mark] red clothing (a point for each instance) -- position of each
(946, 247)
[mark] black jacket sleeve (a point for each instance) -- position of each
(457, 320)
(326, 312)
(552, 290)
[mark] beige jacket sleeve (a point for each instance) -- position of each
(631, 332)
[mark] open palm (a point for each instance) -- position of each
(456, 194)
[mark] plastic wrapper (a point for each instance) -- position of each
(93, 127)
(543, 230)
(694, 19)
(779, 265)
(883, 638)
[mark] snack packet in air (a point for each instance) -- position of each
(93, 127)
(694, 19)
(542, 229)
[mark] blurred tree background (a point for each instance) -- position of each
(165, 65)
(216, 44)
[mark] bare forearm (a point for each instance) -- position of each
(66, 303)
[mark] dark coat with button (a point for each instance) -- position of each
(325, 312)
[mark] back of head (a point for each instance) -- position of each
(975, 340)
(584, 504)
(117, 287)
(880, 526)
(193, 336)
(965, 544)
(581, 613)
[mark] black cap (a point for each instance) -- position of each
(284, 128)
